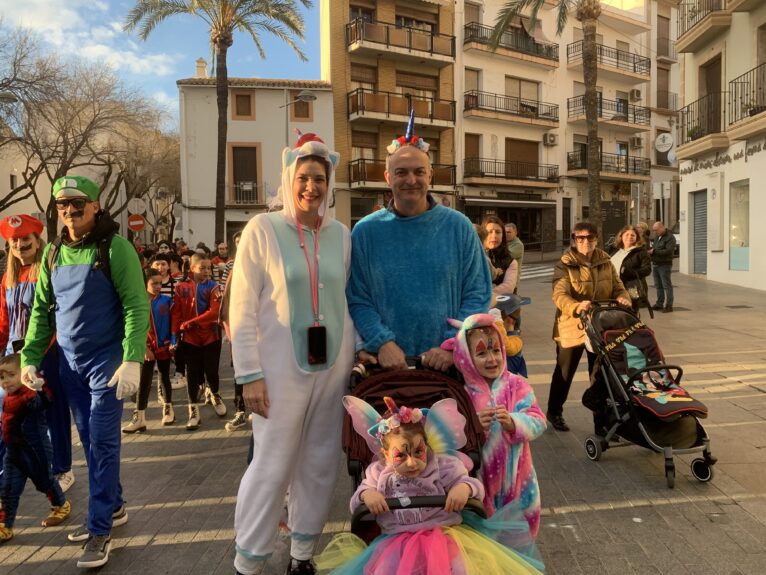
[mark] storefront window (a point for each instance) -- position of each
(739, 226)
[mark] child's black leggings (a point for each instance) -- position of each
(147, 374)
(201, 364)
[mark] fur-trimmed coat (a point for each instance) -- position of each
(576, 280)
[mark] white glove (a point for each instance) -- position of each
(30, 378)
(126, 378)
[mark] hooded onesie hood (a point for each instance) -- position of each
(308, 145)
(462, 355)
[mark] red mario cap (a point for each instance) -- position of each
(20, 226)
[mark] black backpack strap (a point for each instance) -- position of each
(102, 256)
(53, 253)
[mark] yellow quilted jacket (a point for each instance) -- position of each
(576, 280)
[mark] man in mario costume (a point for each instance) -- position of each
(91, 294)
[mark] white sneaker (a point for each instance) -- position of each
(66, 480)
(208, 396)
(218, 404)
(237, 422)
(168, 415)
(137, 423)
(179, 382)
(194, 418)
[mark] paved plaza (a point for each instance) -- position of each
(613, 517)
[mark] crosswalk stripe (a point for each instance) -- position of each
(532, 272)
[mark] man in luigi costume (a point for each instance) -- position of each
(101, 320)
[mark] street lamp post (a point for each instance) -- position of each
(303, 96)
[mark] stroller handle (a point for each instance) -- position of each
(473, 505)
(638, 374)
(601, 304)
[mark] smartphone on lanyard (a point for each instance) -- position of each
(317, 335)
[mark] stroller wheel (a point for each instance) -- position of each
(670, 476)
(593, 447)
(702, 470)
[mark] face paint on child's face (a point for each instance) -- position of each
(407, 457)
(486, 353)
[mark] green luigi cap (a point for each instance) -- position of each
(76, 187)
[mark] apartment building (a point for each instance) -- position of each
(263, 117)
(384, 58)
(722, 138)
(523, 138)
(507, 127)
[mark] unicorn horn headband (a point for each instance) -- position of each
(399, 415)
(409, 138)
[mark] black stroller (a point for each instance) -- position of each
(415, 388)
(644, 403)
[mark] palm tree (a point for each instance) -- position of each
(587, 12)
(278, 17)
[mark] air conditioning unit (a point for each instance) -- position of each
(550, 139)
(635, 94)
(637, 142)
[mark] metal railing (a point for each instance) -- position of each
(243, 194)
(618, 110)
(693, 12)
(667, 100)
(612, 57)
(701, 118)
(747, 94)
(392, 35)
(666, 48)
(476, 100)
(486, 168)
(512, 39)
(363, 100)
(363, 171)
(578, 160)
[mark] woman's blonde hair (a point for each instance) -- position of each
(13, 265)
(639, 236)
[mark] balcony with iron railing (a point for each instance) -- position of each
(396, 41)
(666, 50)
(702, 126)
(616, 113)
(699, 21)
(747, 104)
(514, 43)
(477, 170)
(612, 62)
(243, 194)
(370, 173)
(667, 100)
(510, 108)
(613, 166)
(391, 107)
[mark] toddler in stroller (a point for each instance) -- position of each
(418, 457)
(636, 395)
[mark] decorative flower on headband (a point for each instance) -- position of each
(398, 416)
(409, 138)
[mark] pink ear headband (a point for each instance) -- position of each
(398, 416)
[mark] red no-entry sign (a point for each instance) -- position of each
(136, 222)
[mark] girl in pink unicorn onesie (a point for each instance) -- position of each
(508, 410)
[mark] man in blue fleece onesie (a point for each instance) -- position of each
(413, 266)
(101, 325)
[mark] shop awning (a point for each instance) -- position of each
(515, 203)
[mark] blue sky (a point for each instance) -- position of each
(92, 29)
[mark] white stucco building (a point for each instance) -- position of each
(259, 127)
(722, 139)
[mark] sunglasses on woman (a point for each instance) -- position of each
(76, 203)
(588, 238)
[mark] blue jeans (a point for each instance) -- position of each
(661, 274)
(22, 463)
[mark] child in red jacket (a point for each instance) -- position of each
(194, 326)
